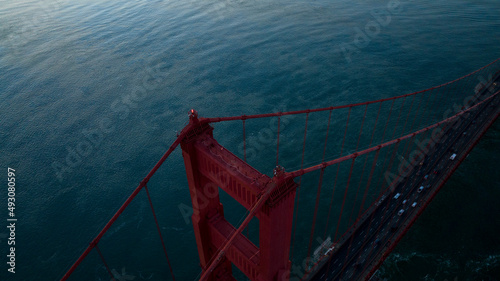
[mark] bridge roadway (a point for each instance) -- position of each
(361, 250)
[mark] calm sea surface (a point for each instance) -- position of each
(93, 92)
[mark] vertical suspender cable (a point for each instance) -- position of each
(298, 187)
(125, 204)
(244, 142)
(399, 118)
(387, 122)
(318, 194)
(363, 170)
(408, 115)
(378, 151)
(388, 169)
(433, 105)
(278, 142)
(369, 181)
(159, 233)
(343, 200)
(342, 208)
(345, 131)
(406, 122)
(383, 216)
(338, 165)
(427, 107)
(104, 262)
(245, 155)
(417, 111)
(396, 146)
(326, 137)
(466, 84)
(385, 129)
(336, 176)
(319, 185)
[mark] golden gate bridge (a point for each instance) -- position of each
(388, 160)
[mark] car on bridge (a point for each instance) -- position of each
(380, 201)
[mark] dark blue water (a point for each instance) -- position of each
(93, 92)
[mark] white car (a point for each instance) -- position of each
(404, 202)
(452, 157)
(420, 189)
(414, 204)
(397, 195)
(401, 212)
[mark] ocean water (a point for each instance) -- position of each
(93, 92)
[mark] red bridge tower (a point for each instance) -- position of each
(209, 166)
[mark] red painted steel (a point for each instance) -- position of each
(244, 254)
(421, 210)
(377, 148)
(96, 240)
(105, 263)
(298, 187)
(245, 117)
(391, 142)
(159, 233)
(318, 194)
(209, 166)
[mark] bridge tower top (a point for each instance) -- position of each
(209, 166)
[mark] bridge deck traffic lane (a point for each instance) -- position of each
(374, 234)
(436, 182)
(462, 144)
